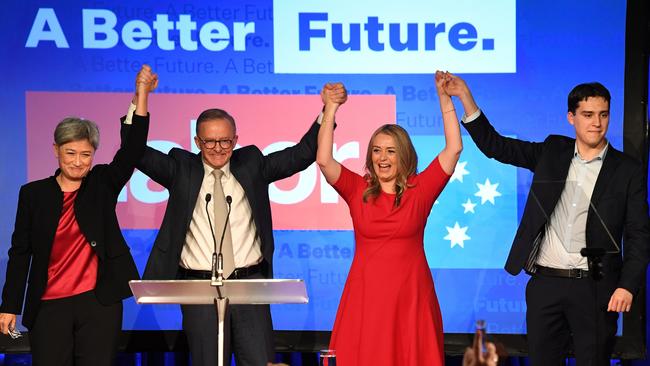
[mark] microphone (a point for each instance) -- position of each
(208, 198)
(594, 261)
(217, 271)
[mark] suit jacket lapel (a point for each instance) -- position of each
(53, 198)
(243, 177)
(560, 169)
(195, 180)
(548, 188)
(606, 174)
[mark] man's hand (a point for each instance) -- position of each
(621, 300)
(7, 322)
(334, 93)
(455, 86)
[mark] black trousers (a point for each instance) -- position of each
(75, 330)
(248, 328)
(561, 310)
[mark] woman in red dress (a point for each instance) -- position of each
(389, 314)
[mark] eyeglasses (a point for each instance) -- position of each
(211, 144)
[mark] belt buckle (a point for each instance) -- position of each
(578, 273)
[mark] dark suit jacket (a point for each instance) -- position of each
(619, 199)
(39, 209)
(181, 172)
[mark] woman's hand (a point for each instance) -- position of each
(7, 322)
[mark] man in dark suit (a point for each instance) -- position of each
(584, 194)
(184, 246)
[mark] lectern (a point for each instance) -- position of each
(202, 292)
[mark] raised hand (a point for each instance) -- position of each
(455, 86)
(475, 356)
(442, 79)
(146, 81)
(334, 93)
(448, 157)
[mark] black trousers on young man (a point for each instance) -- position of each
(561, 311)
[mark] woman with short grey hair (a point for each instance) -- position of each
(67, 239)
(75, 129)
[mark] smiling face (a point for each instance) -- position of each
(385, 159)
(590, 120)
(209, 133)
(75, 159)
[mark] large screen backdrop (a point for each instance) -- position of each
(265, 62)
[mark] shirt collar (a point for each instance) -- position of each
(600, 156)
(208, 169)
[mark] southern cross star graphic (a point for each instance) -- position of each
(468, 206)
(459, 172)
(487, 191)
(457, 235)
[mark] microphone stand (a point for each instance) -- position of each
(594, 263)
(220, 302)
(217, 256)
(208, 198)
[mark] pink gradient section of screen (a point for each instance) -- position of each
(262, 120)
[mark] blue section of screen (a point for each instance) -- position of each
(558, 46)
(474, 218)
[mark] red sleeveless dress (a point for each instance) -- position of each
(389, 313)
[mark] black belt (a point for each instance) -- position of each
(558, 272)
(244, 272)
(238, 273)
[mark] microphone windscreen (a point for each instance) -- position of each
(208, 197)
(228, 199)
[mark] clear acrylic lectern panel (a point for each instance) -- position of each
(196, 292)
(228, 292)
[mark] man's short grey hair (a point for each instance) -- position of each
(76, 129)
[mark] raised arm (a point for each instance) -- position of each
(448, 157)
(284, 163)
(134, 135)
(333, 95)
(145, 83)
(491, 143)
(455, 86)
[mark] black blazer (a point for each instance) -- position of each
(39, 209)
(181, 172)
(619, 197)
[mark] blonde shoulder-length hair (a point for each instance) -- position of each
(407, 162)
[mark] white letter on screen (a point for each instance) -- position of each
(91, 28)
(46, 17)
(306, 180)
